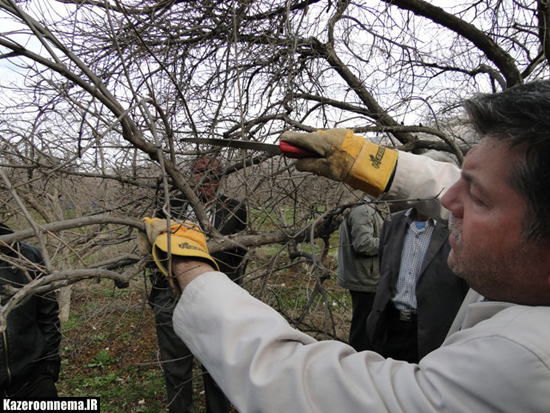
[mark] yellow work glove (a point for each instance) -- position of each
(346, 157)
(186, 240)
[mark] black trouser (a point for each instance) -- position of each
(361, 307)
(402, 336)
(177, 361)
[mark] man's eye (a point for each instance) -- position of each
(475, 199)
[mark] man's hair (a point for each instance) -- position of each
(521, 115)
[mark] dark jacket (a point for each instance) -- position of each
(439, 292)
(30, 343)
(231, 218)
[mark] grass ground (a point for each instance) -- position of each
(109, 350)
(109, 347)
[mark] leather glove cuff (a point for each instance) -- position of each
(373, 168)
(183, 246)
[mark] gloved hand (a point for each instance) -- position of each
(186, 240)
(346, 157)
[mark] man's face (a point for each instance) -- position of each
(205, 174)
(488, 247)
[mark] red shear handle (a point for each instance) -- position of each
(291, 151)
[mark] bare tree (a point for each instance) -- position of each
(104, 92)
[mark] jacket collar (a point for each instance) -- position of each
(411, 214)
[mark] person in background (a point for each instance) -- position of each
(496, 356)
(229, 216)
(358, 269)
(29, 348)
(418, 295)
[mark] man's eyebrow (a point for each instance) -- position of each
(467, 176)
(472, 181)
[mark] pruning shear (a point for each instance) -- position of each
(283, 148)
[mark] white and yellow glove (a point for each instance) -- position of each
(346, 157)
(186, 240)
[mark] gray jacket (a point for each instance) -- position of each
(358, 249)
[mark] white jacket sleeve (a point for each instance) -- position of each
(264, 365)
(423, 182)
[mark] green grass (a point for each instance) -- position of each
(126, 389)
(109, 350)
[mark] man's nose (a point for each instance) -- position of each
(452, 199)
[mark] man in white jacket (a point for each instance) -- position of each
(497, 360)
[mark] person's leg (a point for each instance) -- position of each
(216, 402)
(402, 337)
(177, 360)
(361, 307)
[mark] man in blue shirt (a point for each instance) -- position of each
(418, 295)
